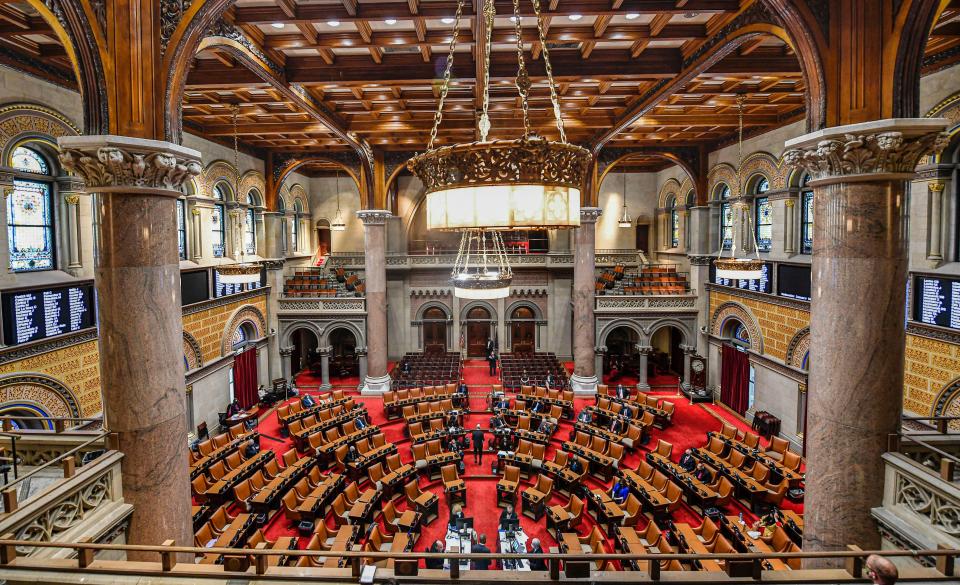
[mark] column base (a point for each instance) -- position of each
(643, 387)
(324, 387)
(373, 386)
(583, 384)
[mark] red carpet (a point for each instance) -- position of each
(690, 425)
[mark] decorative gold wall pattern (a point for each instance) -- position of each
(77, 367)
(208, 326)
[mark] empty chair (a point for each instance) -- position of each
(632, 511)
(728, 431)
(664, 448)
(453, 486)
(564, 518)
(707, 532)
(777, 448)
(425, 502)
(534, 498)
(507, 486)
(751, 440)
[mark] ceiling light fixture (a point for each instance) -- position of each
(239, 272)
(446, 20)
(575, 17)
(632, 16)
(333, 23)
(338, 225)
(277, 25)
(481, 188)
(744, 268)
(625, 219)
(390, 21)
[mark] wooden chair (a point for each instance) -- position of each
(792, 461)
(632, 511)
(664, 448)
(424, 502)
(707, 532)
(778, 447)
(564, 518)
(534, 498)
(507, 486)
(453, 486)
(651, 536)
(729, 431)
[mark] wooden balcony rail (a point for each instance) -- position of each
(948, 461)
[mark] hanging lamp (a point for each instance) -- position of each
(240, 272)
(745, 267)
(625, 219)
(481, 188)
(338, 225)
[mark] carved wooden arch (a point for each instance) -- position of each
(293, 164)
(245, 314)
(948, 108)
(762, 163)
(215, 172)
(298, 193)
(911, 29)
(447, 311)
(52, 394)
(679, 161)
(252, 180)
(798, 347)
(192, 352)
(744, 315)
(670, 187)
(20, 121)
(726, 174)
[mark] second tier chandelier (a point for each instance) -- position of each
(485, 187)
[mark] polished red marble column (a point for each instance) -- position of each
(859, 175)
(141, 330)
(584, 377)
(377, 379)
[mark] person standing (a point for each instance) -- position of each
(492, 360)
(477, 439)
(537, 549)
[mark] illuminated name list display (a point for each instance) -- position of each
(937, 301)
(763, 284)
(38, 314)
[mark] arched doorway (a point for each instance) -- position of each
(736, 372)
(478, 331)
(304, 356)
(343, 355)
(667, 357)
(434, 330)
(324, 245)
(620, 362)
(523, 330)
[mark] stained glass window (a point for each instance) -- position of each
(806, 217)
(27, 160)
(297, 210)
(182, 228)
(741, 334)
(726, 217)
(764, 221)
(30, 226)
(239, 337)
(674, 225)
(250, 233)
(218, 230)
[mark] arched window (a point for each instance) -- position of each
(297, 211)
(218, 222)
(30, 213)
(763, 219)
(674, 222)
(250, 223)
(242, 336)
(806, 216)
(726, 216)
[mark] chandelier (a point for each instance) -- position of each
(338, 225)
(240, 272)
(743, 268)
(484, 187)
(625, 219)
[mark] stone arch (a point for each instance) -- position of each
(290, 328)
(298, 193)
(244, 314)
(947, 403)
(252, 180)
(670, 187)
(722, 173)
(537, 311)
(670, 322)
(680, 161)
(54, 396)
(285, 202)
(744, 315)
(23, 121)
(465, 310)
(948, 108)
(215, 172)
(798, 348)
(763, 163)
(192, 352)
(603, 333)
(329, 328)
(447, 311)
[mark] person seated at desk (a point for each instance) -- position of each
(619, 492)
(453, 420)
(352, 455)
(508, 516)
(360, 422)
(767, 525)
(460, 398)
(702, 474)
(524, 378)
(616, 425)
(688, 463)
(503, 402)
(308, 401)
(250, 449)
(234, 408)
(497, 422)
(575, 465)
(546, 426)
(537, 549)
(622, 392)
(481, 547)
(456, 513)
(585, 417)
(437, 562)
(537, 407)
(626, 411)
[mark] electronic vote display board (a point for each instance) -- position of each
(936, 301)
(793, 281)
(194, 287)
(30, 315)
(221, 289)
(763, 284)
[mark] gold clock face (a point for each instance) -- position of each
(697, 366)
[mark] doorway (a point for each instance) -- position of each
(324, 246)
(667, 355)
(620, 362)
(434, 330)
(523, 327)
(343, 354)
(304, 355)
(478, 332)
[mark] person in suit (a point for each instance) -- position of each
(435, 563)
(360, 423)
(492, 360)
(537, 407)
(703, 474)
(585, 416)
(616, 425)
(622, 392)
(308, 401)
(626, 411)
(481, 547)
(688, 462)
(546, 426)
(460, 398)
(524, 378)
(537, 549)
(352, 455)
(234, 408)
(549, 382)
(508, 516)
(477, 437)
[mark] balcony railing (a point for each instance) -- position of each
(602, 257)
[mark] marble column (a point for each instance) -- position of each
(688, 351)
(859, 174)
(584, 377)
(71, 191)
(286, 353)
(137, 183)
(376, 380)
(275, 280)
(362, 362)
(598, 354)
(935, 237)
(790, 226)
(325, 367)
(644, 352)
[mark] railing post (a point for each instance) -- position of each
(893, 443)
(261, 561)
(58, 426)
(355, 565)
(7, 425)
(654, 566)
(69, 467)
(855, 564)
(554, 564)
(8, 552)
(10, 500)
(454, 568)
(167, 558)
(942, 426)
(947, 467)
(84, 555)
(946, 564)
(112, 442)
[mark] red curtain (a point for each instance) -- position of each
(245, 378)
(735, 379)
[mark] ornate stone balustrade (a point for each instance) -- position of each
(34, 450)
(87, 506)
(355, 261)
(332, 305)
(645, 303)
(920, 510)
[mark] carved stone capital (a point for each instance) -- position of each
(71, 199)
(273, 263)
(325, 351)
(644, 349)
(936, 187)
(120, 164)
(862, 151)
(701, 260)
(600, 349)
(790, 202)
(374, 216)
(70, 184)
(6, 179)
(195, 211)
(590, 214)
(360, 351)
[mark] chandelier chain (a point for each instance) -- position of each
(554, 99)
(445, 85)
(489, 12)
(523, 78)
(238, 223)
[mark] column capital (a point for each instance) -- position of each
(882, 149)
(325, 351)
(6, 178)
(374, 216)
(590, 214)
(936, 186)
(701, 260)
(71, 198)
(273, 263)
(644, 349)
(286, 351)
(790, 202)
(121, 164)
(600, 349)
(360, 351)
(689, 349)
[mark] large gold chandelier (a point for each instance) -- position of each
(743, 268)
(485, 187)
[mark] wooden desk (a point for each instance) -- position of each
(753, 545)
(343, 541)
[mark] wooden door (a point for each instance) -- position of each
(522, 330)
(323, 240)
(434, 330)
(643, 237)
(478, 332)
